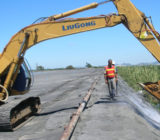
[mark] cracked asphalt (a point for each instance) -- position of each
(128, 117)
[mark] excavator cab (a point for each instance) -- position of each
(22, 83)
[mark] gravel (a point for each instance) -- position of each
(128, 117)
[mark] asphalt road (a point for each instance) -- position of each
(126, 118)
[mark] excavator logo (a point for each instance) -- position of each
(78, 25)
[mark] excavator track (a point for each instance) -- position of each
(14, 114)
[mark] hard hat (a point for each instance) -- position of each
(113, 62)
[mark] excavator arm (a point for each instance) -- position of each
(138, 24)
(36, 33)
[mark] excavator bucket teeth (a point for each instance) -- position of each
(14, 115)
(152, 88)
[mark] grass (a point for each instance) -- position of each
(141, 74)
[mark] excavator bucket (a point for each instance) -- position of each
(152, 87)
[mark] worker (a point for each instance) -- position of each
(110, 78)
(116, 77)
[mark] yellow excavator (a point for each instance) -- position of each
(15, 77)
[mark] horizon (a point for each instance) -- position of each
(122, 64)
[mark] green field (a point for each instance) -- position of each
(140, 74)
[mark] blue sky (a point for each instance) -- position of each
(94, 47)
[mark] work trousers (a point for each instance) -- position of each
(112, 87)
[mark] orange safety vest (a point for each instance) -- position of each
(110, 72)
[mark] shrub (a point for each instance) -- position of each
(70, 67)
(88, 65)
(39, 68)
